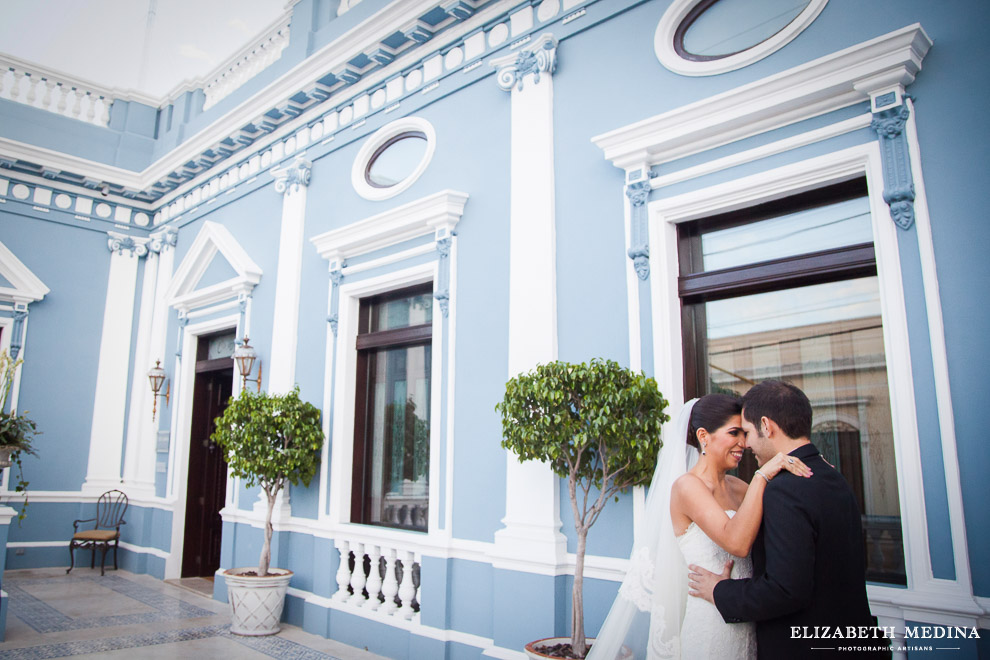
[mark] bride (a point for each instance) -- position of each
(696, 513)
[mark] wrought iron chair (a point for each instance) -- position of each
(110, 509)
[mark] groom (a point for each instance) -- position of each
(808, 559)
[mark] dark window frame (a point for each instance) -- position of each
(690, 19)
(404, 135)
(366, 342)
(696, 287)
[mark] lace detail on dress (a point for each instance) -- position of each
(636, 587)
(704, 634)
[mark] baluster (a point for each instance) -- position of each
(407, 590)
(343, 571)
(105, 115)
(390, 587)
(77, 106)
(32, 94)
(374, 585)
(15, 91)
(357, 577)
(46, 101)
(63, 99)
(3, 77)
(91, 113)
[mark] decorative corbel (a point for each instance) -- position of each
(638, 191)
(442, 293)
(890, 115)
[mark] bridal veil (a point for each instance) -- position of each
(647, 613)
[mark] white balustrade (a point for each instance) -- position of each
(41, 88)
(379, 577)
(246, 64)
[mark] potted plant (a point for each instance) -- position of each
(270, 440)
(16, 431)
(598, 426)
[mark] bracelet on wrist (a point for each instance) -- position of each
(765, 477)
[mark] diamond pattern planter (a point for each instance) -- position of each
(256, 602)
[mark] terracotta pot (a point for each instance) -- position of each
(256, 602)
(533, 654)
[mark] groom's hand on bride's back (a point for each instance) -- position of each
(701, 582)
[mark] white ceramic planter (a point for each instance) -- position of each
(256, 602)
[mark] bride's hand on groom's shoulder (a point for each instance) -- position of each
(782, 461)
(701, 582)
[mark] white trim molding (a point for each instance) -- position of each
(378, 139)
(946, 599)
(823, 85)
(212, 238)
(25, 286)
(419, 218)
(663, 41)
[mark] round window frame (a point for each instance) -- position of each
(379, 141)
(682, 13)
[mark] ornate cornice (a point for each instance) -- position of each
(290, 178)
(512, 69)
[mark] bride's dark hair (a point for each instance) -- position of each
(711, 412)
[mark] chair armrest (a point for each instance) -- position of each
(122, 522)
(75, 523)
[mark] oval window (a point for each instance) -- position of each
(708, 37)
(393, 158)
(396, 160)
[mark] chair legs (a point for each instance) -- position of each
(104, 548)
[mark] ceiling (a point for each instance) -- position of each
(148, 46)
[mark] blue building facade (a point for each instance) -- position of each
(417, 200)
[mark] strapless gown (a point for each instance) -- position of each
(704, 634)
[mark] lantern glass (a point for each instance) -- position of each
(156, 376)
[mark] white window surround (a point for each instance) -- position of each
(926, 598)
(25, 286)
(436, 214)
(663, 41)
(824, 85)
(211, 239)
(181, 424)
(379, 138)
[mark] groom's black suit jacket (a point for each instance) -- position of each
(808, 565)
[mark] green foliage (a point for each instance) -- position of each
(598, 426)
(15, 430)
(271, 439)
(597, 423)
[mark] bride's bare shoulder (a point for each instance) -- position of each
(687, 483)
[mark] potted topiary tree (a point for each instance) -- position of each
(16, 430)
(271, 440)
(598, 426)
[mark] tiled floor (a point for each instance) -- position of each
(122, 615)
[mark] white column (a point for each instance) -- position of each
(107, 433)
(142, 431)
(291, 181)
(532, 502)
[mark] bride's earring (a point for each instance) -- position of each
(703, 449)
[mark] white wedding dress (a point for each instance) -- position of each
(704, 634)
(653, 617)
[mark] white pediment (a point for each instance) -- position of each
(186, 293)
(21, 286)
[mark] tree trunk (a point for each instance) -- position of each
(577, 597)
(266, 550)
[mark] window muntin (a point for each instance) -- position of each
(392, 421)
(396, 160)
(715, 29)
(815, 321)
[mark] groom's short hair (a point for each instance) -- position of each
(782, 402)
